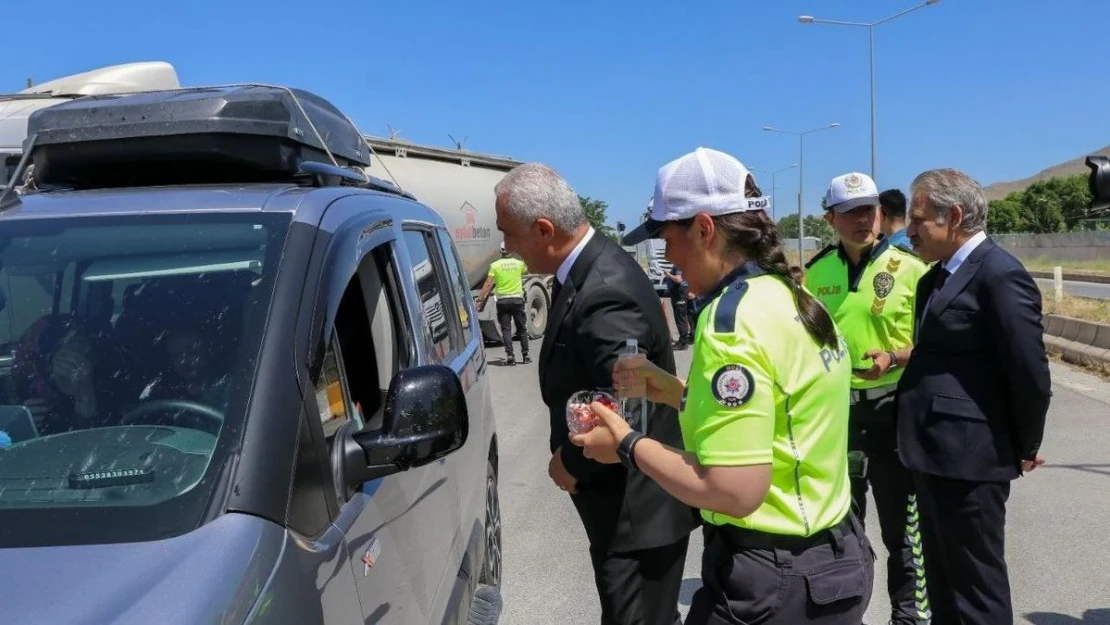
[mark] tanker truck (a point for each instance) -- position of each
(457, 184)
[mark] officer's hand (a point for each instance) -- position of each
(881, 365)
(559, 474)
(601, 443)
(1027, 466)
(632, 374)
(479, 303)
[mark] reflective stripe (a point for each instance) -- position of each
(917, 557)
(797, 460)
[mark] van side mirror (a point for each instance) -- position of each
(425, 418)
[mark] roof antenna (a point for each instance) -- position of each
(392, 133)
(458, 144)
(30, 83)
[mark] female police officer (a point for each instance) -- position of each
(764, 412)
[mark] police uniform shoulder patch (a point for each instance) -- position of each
(733, 386)
(883, 283)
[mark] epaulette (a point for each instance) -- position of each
(908, 251)
(823, 253)
(724, 319)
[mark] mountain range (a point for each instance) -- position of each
(1000, 190)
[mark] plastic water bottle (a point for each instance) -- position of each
(634, 397)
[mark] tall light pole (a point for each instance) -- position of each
(870, 26)
(774, 187)
(801, 134)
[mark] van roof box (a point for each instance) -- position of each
(241, 133)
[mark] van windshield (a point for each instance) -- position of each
(127, 346)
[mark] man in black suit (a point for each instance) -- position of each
(638, 533)
(973, 398)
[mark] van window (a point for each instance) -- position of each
(364, 352)
(332, 395)
(126, 347)
(430, 283)
(464, 303)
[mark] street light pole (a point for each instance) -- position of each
(871, 53)
(774, 185)
(801, 174)
(870, 26)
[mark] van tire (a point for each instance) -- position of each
(485, 607)
(491, 563)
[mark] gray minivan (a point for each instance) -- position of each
(239, 382)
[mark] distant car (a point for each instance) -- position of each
(251, 390)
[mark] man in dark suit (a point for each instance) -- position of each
(973, 398)
(638, 533)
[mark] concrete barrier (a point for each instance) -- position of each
(1078, 341)
(1102, 336)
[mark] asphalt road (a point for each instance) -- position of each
(1078, 289)
(1058, 526)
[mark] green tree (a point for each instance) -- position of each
(1073, 196)
(815, 226)
(1053, 205)
(1006, 215)
(788, 227)
(818, 227)
(1042, 210)
(595, 213)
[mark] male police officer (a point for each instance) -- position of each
(506, 278)
(679, 292)
(869, 286)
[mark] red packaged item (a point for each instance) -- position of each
(580, 417)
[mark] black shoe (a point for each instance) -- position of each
(527, 360)
(510, 361)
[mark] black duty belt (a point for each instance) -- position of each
(743, 538)
(872, 394)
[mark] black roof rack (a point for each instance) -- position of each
(236, 133)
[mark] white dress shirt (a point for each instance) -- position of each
(955, 262)
(965, 250)
(564, 269)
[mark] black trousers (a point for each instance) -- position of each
(640, 587)
(827, 582)
(511, 310)
(681, 309)
(872, 430)
(963, 525)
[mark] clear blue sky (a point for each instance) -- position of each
(607, 91)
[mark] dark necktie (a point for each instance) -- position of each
(942, 277)
(555, 290)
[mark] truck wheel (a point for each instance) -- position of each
(536, 306)
(491, 569)
(491, 332)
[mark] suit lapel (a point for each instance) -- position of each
(558, 313)
(959, 280)
(925, 287)
(576, 277)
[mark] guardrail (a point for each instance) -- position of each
(1077, 340)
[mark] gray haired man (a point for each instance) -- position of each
(638, 533)
(972, 401)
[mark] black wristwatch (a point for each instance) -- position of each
(627, 447)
